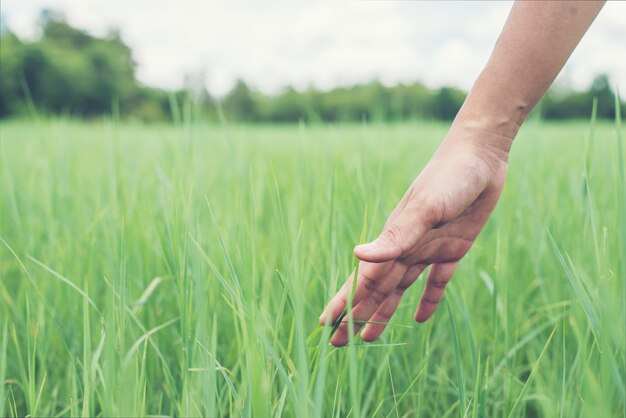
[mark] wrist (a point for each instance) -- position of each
(490, 118)
(496, 106)
(487, 131)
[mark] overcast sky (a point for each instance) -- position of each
(272, 44)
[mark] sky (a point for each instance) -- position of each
(274, 44)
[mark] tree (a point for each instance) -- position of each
(600, 89)
(66, 71)
(569, 104)
(446, 103)
(240, 103)
(11, 57)
(73, 72)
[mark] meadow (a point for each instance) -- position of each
(180, 270)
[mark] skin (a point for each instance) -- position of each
(443, 211)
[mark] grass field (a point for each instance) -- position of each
(181, 270)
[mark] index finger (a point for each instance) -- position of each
(338, 303)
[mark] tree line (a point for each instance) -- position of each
(67, 71)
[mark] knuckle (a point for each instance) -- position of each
(400, 289)
(430, 300)
(439, 284)
(378, 295)
(372, 287)
(435, 215)
(391, 233)
(384, 317)
(391, 236)
(431, 209)
(368, 283)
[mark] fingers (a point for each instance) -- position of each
(375, 294)
(341, 337)
(337, 304)
(383, 314)
(369, 274)
(375, 284)
(386, 310)
(400, 234)
(438, 278)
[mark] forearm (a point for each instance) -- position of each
(537, 39)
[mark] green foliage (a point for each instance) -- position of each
(180, 271)
(12, 53)
(366, 102)
(568, 105)
(446, 103)
(68, 71)
(240, 103)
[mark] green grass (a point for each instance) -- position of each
(180, 270)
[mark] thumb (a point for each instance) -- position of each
(398, 236)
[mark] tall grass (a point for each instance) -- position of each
(180, 270)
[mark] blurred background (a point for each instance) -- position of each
(276, 61)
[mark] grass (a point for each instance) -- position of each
(180, 270)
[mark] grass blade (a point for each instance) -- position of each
(532, 374)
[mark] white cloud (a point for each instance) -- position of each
(274, 44)
(602, 49)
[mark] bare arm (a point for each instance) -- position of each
(446, 207)
(536, 41)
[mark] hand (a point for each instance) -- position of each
(435, 224)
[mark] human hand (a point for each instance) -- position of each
(435, 224)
